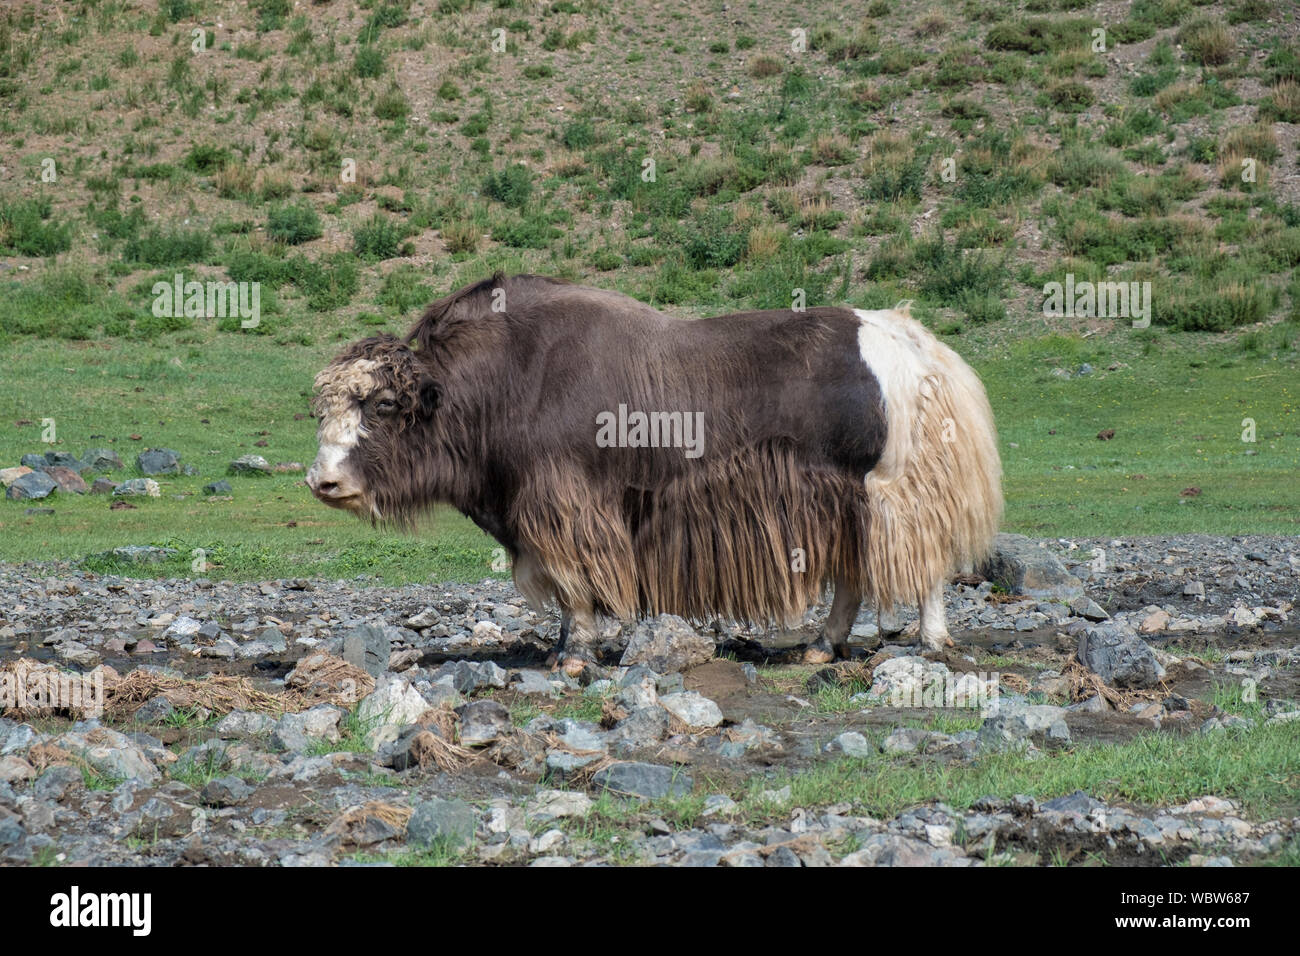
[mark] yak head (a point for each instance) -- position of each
(374, 404)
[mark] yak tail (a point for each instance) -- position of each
(936, 507)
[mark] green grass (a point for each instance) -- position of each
(243, 386)
(1260, 767)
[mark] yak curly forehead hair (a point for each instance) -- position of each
(368, 366)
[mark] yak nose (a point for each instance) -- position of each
(330, 487)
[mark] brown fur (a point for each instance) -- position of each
(497, 417)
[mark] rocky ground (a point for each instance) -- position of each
(329, 722)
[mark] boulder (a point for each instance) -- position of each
(1023, 567)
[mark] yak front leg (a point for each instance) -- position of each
(934, 626)
(833, 641)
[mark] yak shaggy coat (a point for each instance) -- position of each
(839, 446)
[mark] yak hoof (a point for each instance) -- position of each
(819, 651)
(936, 642)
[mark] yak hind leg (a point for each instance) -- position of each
(576, 648)
(833, 642)
(934, 625)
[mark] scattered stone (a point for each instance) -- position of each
(155, 710)
(1012, 725)
(158, 461)
(101, 459)
(667, 644)
(482, 721)
(556, 804)
(68, 480)
(225, 792)
(692, 709)
(250, 465)
(1119, 657)
(31, 487)
(9, 475)
(442, 822)
(533, 682)
(296, 732)
(1022, 567)
(851, 744)
(368, 647)
(393, 704)
(646, 780)
(1085, 607)
(643, 727)
(138, 487)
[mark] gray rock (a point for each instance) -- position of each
(155, 710)
(482, 721)
(445, 822)
(158, 461)
(469, 676)
(31, 486)
(138, 487)
(1093, 705)
(250, 465)
(244, 723)
(113, 754)
(667, 644)
(692, 709)
(101, 459)
(1077, 802)
(904, 740)
(296, 732)
(1022, 567)
(1119, 657)
(551, 805)
(59, 781)
(851, 744)
(368, 647)
(63, 459)
(225, 792)
(643, 727)
(646, 780)
(1012, 725)
(11, 828)
(103, 486)
(1085, 607)
(533, 682)
(393, 703)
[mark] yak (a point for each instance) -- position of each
(635, 464)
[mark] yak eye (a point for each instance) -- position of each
(385, 405)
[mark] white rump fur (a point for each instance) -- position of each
(936, 494)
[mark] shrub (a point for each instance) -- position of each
(511, 186)
(293, 224)
(25, 231)
(379, 237)
(174, 247)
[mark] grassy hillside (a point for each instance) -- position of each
(359, 158)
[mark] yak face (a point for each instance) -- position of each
(369, 401)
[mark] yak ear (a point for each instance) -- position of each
(429, 395)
